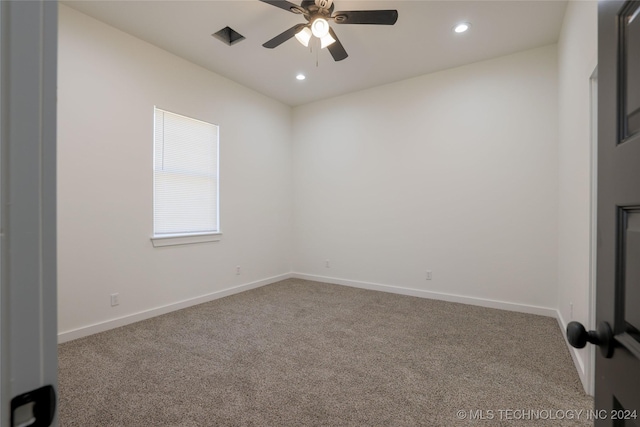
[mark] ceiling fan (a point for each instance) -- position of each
(318, 13)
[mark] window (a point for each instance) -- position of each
(185, 178)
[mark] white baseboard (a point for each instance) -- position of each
(502, 305)
(578, 359)
(147, 314)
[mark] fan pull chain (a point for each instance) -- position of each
(317, 43)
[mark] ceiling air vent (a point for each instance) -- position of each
(228, 35)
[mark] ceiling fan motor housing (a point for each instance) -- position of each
(314, 7)
(324, 4)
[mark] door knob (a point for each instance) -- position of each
(578, 337)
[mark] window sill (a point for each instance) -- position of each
(185, 239)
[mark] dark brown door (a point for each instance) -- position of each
(617, 389)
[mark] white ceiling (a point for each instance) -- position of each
(421, 42)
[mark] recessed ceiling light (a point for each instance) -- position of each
(462, 27)
(301, 77)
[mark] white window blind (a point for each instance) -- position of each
(185, 177)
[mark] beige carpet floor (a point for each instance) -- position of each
(300, 353)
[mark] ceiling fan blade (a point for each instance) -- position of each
(378, 17)
(283, 37)
(282, 4)
(336, 49)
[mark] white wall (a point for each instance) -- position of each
(577, 59)
(109, 83)
(455, 172)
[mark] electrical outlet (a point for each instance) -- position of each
(115, 300)
(428, 274)
(327, 264)
(237, 270)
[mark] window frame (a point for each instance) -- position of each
(176, 239)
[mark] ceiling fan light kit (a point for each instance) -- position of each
(304, 36)
(318, 13)
(326, 41)
(320, 27)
